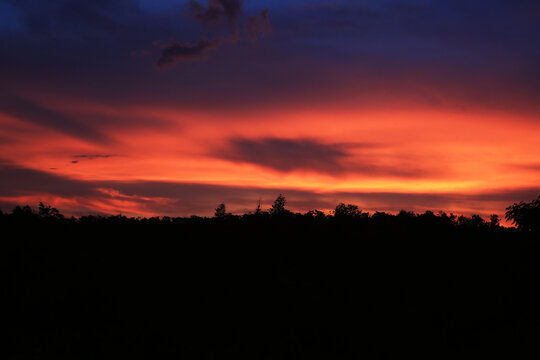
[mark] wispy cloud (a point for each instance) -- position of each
(93, 156)
(258, 24)
(176, 52)
(90, 157)
(216, 11)
(30, 111)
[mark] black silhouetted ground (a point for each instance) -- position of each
(268, 286)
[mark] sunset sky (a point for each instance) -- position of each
(170, 107)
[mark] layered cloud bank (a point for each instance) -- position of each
(171, 108)
(150, 198)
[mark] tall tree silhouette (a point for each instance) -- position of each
(258, 209)
(220, 210)
(278, 207)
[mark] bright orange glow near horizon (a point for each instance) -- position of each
(406, 151)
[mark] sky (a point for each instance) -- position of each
(171, 107)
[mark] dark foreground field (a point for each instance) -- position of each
(280, 286)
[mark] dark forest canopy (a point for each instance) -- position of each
(269, 285)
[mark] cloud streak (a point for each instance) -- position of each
(93, 156)
(287, 155)
(309, 155)
(90, 157)
(29, 111)
(176, 52)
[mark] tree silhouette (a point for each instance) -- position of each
(48, 211)
(220, 211)
(278, 207)
(258, 209)
(23, 212)
(315, 214)
(525, 215)
(348, 210)
(476, 221)
(494, 221)
(404, 214)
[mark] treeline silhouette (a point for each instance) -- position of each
(270, 285)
